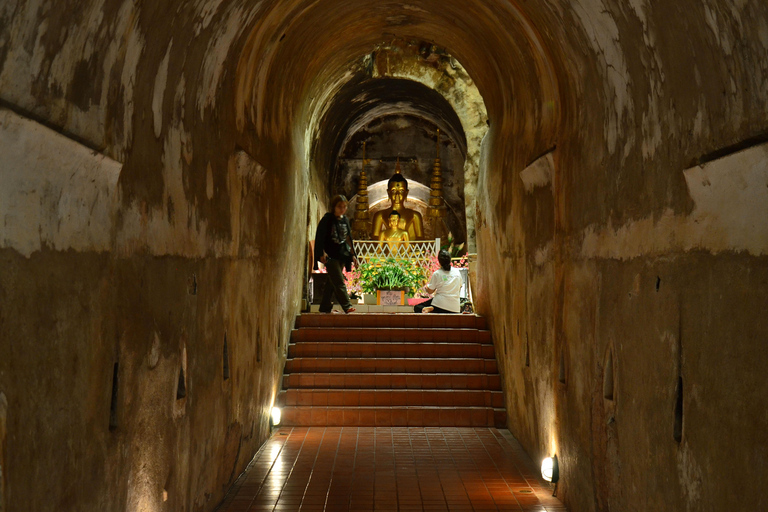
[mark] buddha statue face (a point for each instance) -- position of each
(394, 220)
(398, 192)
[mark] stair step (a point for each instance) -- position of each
(387, 397)
(391, 370)
(394, 416)
(391, 365)
(391, 320)
(390, 334)
(390, 349)
(474, 381)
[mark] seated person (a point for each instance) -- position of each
(393, 233)
(446, 285)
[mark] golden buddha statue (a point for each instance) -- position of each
(393, 234)
(410, 220)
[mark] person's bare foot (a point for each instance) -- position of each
(428, 309)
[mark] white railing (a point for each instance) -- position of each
(420, 251)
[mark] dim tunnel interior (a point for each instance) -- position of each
(363, 111)
(165, 165)
(363, 101)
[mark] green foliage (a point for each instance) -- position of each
(390, 274)
(454, 250)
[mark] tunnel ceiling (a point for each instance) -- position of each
(126, 77)
(364, 99)
(299, 57)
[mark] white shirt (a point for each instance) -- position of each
(447, 286)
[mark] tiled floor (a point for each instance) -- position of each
(359, 469)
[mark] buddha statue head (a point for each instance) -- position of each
(409, 219)
(394, 220)
(397, 190)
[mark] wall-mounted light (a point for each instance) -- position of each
(550, 471)
(276, 414)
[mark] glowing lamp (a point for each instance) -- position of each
(275, 416)
(549, 469)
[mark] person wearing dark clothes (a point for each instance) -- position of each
(335, 250)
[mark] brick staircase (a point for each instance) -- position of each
(391, 370)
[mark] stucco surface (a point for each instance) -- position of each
(62, 198)
(640, 235)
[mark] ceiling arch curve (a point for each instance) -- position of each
(363, 100)
(299, 56)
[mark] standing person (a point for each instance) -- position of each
(335, 250)
(445, 283)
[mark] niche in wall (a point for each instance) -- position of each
(258, 345)
(678, 429)
(504, 341)
(3, 431)
(181, 388)
(181, 384)
(113, 400)
(527, 352)
(608, 382)
(226, 358)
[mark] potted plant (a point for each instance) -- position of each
(387, 278)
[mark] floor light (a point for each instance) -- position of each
(275, 416)
(550, 471)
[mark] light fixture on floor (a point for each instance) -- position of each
(550, 471)
(275, 416)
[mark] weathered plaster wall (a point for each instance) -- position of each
(76, 302)
(618, 246)
(62, 198)
(137, 233)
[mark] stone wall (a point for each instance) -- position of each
(630, 262)
(98, 325)
(139, 239)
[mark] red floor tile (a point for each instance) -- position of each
(344, 469)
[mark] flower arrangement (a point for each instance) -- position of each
(434, 265)
(354, 284)
(393, 274)
(386, 274)
(454, 250)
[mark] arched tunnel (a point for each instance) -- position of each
(164, 165)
